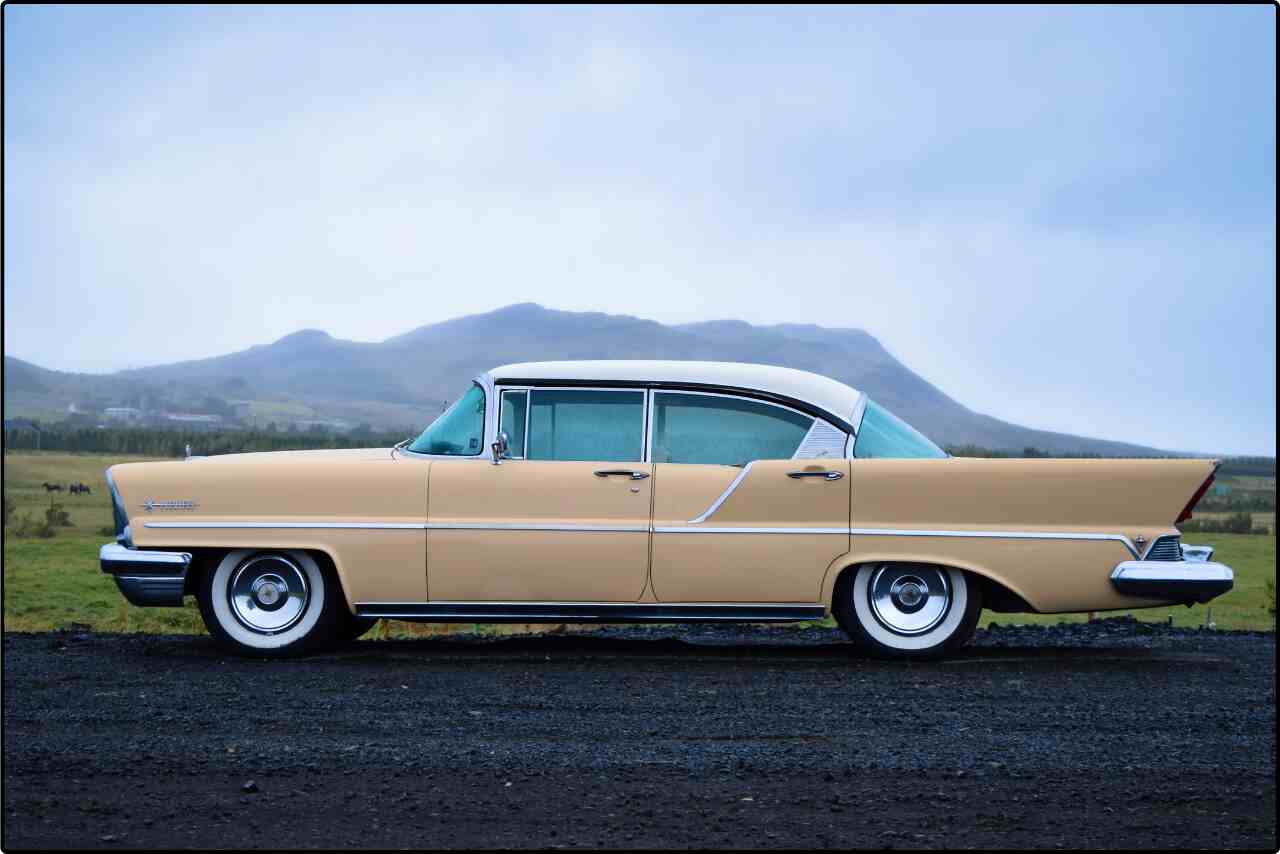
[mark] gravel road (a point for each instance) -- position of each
(1103, 735)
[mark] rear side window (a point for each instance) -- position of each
(586, 424)
(699, 428)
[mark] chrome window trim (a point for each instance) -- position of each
(820, 424)
(501, 392)
(1001, 535)
(805, 407)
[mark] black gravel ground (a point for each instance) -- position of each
(1103, 735)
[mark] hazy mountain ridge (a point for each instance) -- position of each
(410, 376)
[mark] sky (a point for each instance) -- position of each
(1064, 218)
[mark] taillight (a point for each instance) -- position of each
(1195, 499)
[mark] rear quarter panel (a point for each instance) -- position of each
(1132, 498)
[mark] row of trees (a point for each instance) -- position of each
(172, 443)
(1236, 523)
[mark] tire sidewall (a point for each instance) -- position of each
(313, 628)
(858, 621)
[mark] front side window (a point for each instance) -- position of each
(459, 431)
(586, 424)
(699, 428)
(885, 435)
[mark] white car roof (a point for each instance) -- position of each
(816, 390)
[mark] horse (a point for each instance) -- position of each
(52, 487)
(79, 488)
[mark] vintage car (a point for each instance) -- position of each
(655, 492)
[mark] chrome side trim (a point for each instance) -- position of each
(999, 535)
(558, 603)
(412, 526)
(530, 526)
(590, 612)
(715, 505)
(407, 526)
(681, 529)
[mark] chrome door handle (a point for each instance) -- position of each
(634, 475)
(822, 473)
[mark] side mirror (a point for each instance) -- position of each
(500, 447)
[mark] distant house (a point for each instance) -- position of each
(192, 418)
(122, 413)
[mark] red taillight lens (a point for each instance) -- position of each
(1195, 499)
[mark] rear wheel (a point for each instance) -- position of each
(907, 610)
(271, 603)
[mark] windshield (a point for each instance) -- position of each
(459, 431)
(883, 434)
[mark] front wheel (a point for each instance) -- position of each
(271, 603)
(907, 610)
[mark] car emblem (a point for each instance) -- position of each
(150, 505)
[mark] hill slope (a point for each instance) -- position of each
(406, 379)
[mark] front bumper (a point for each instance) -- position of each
(1173, 581)
(147, 578)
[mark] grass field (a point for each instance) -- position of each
(54, 583)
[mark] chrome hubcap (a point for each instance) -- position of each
(268, 593)
(909, 600)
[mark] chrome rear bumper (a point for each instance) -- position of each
(146, 578)
(1173, 581)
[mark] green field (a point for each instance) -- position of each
(54, 583)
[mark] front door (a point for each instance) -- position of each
(566, 519)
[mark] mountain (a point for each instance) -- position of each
(405, 380)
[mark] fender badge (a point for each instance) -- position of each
(150, 505)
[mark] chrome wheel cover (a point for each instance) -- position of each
(909, 599)
(268, 593)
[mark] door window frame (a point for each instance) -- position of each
(528, 410)
(650, 401)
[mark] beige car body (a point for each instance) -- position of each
(408, 530)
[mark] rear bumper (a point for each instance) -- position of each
(147, 578)
(1173, 581)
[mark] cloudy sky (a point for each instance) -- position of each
(1064, 218)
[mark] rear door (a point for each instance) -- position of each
(736, 517)
(566, 519)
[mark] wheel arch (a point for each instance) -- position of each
(205, 560)
(1002, 596)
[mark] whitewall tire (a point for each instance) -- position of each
(907, 610)
(270, 603)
